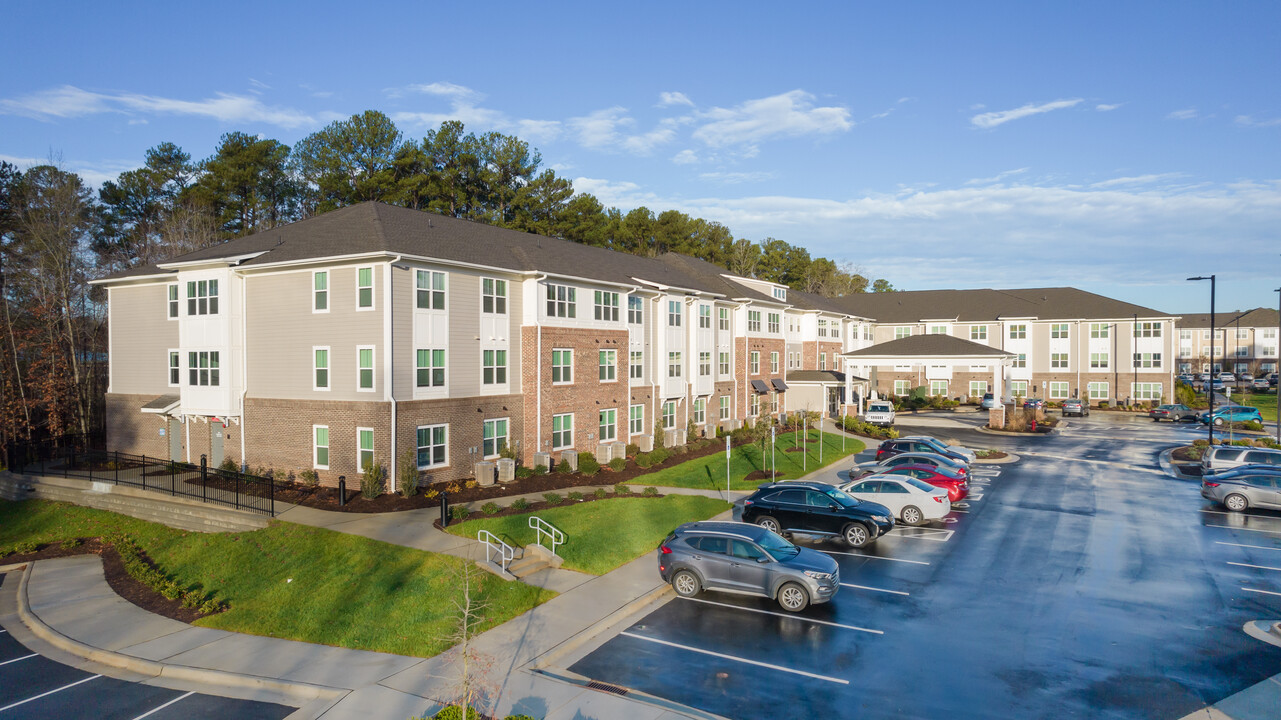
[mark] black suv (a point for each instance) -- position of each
(819, 509)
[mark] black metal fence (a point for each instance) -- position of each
(70, 458)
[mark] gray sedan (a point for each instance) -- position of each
(1244, 487)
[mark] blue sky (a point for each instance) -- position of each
(1116, 147)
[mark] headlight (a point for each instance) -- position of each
(818, 575)
(883, 518)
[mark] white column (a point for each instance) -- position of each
(998, 384)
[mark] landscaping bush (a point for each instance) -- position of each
(575, 496)
(490, 508)
(372, 482)
(660, 455)
(633, 449)
(563, 467)
(587, 464)
(645, 461)
(600, 493)
(141, 569)
(520, 504)
(691, 432)
(680, 449)
(310, 478)
(523, 472)
(621, 489)
(552, 498)
(452, 712)
(1251, 425)
(408, 472)
(459, 512)
(72, 543)
(229, 465)
(650, 491)
(540, 469)
(617, 464)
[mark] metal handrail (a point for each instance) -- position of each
(554, 535)
(493, 543)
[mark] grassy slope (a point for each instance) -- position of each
(1267, 404)
(708, 473)
(346, 590)
(603, 534)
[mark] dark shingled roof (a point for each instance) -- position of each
(928, 346)
(1258, 317)
(1063, 303)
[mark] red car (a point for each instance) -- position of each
(958, 488)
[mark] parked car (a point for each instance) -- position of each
(1226, 377)
(890, 448)
(1231, 414)
(1073, 406)
(879, 412)
(1173, 413)
(1033, 404)
(1203, 377)
(1261, 383)
(817, 508)
(1244, 487)
(912, 501)
(957, 486)
(943, 448)
(954, 465)
(989, 401)
(1216, 384)
(1225, 457)
(1272, 379)
(1244, 377)
(743, 558)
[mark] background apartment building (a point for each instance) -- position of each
(1245, 342)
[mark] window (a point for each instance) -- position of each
(938, 387)
(430, 368)
(561, 301)
(673, 364)
(754, 321)
(608, 361)
(901, 388)
(202, 297)
(365, 368)
(780, 293)
(1185, 335)
(705, 316)
(773, 362)
(562, 431)
(608, 425)
(902, 332)
(1020, 360)
(674, 313)
(320, 364)
(704, 364)
(635, 310)
(1241, 350)
(494, 437)
(1147, 360)
(1059, 360)
(562, 367)
(725, 407)
(723, 316)
(1058, 390)
(173, 301)
(755, 364)
(822, 328)
(175, 368)
(938, 329)
(978, 388)
(867, 332)
(1153, 329)
(1097, 390)
(724, 363)
(1147, 391)
(773, 323)
(320, 291)
(754, 405)
(636, 419)
(493, 367)
(1098, 361)
(1018, 388)
(364, 288)
(773, 403)
(978, 332)
(364, 448)
(1018, 332)
(1241, 334)
(202, 369)
(605, 305)
(669, 414)
(822, 361)
(1059, 331)
(1099, 330)
(493, 296)
(432, 445)
(637, 365)
(1205, 334)
(700, 411)
(320, 447)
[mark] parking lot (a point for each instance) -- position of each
(1078, 582)
(33, 686)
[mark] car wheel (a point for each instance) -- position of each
(1218, 422)
(769, 523)
(911, 515)
(1235, 502)
(685, 583)
(857, 535)
(793, 597)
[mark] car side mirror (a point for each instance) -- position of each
(833, 506)
(762, 560)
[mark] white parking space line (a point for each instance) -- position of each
(757, 663)
(51, 692)
(162, 707)
(24, 657)
(1238, 514)
(864, 587)
(1111, 463)
(1256, 547)
(1260, 567)
(789, 616)
(1229, 527)
(874, 557)
(919, 533)
(1265, 592)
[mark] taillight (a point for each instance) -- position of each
(938, 499)
(664, 550)
(1207, 483)
(747, 502)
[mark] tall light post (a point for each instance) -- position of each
(1209, 426)
(1278, 365)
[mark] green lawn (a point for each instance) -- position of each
(709, 472)
(296, 582)
(1267, 404)
(600, 535)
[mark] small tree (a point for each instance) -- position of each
(408, 471)
(373, 481)
(471, 690)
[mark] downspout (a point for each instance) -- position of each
(244, 365)
(538, 375)
(389, 378)
(654, 362)
(1079, 362)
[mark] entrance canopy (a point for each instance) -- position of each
(929, 351)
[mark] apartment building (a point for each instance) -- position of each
(1245, 342)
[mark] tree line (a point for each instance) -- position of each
(56, 234)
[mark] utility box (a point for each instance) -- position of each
(506, 470)
(618, 450)
(485, 470)
(544, 459)
(604, 452)
(571, 457)
(645, 442)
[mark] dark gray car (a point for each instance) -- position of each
(1244, 487)
(1074, 406)
(746, 559)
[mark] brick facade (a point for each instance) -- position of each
(466, 419)
(585, 397)
(129, 430)
(280, 435)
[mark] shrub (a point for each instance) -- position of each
(633, 449)
(1251, 425)
(691, 432)
(520, 504)
(452, 712)
(552, 498)
(229, 465)
(645, 460)
(680, 449)
(660, 455)
(459, 512)
(26, 546)
(310, 478)
(490, 508)
(575, 496)
(617, 464)
(470, 484)
(372, 482)
(71, 543)
(650, 491)
(621, 489)
(587, 464)
(523, 472)
(142, 570)
(408, 471)
(540, 469)
(563, 467)
(600, 493)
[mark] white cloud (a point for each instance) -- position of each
(447, 89)
(1107, 108)
(996, 178)
(93, 174)
(70, 102)
(1136, 180)
(735, 178)
(669, 99)
(993, 119)
(1251, 121)
(605, 130)
(789, 114)
(685, 157)
(1187, 114)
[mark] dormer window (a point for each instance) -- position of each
(780, 293)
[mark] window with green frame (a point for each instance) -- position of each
(430, 368)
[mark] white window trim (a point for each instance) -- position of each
(329, 355)
(613, 366)
(506, 296)
(315, 448)
(176, 301)
(600, 437)
(441, 464)
(373, 290)
(373, 351)
(570, 381)
(359, 469)
(641, 431)
(571, 431)
(507, 420)
(314, 291)
(169, 368)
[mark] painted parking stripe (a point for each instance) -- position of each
(1260, 567)
(24, 657)
(1238, 514)
(162, 707)
(735, 658)
(1265, 592)
(45, 694)
(874, 557)
(918, 533)
(1229, 527)
(864, 587)
(1256, 547)
(789, 616)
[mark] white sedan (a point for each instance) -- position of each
(912, 501)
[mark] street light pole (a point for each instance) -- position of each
(1209, 426)
(1278, 365)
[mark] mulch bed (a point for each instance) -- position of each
(1184, 454)
(994, 455)
(120, 581)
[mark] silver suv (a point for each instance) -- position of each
(1224, 457)
(748, 559)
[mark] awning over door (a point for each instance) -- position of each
(162, 405)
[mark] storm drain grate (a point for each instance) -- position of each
(606, 687)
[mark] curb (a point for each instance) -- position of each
(1009, 458)
(1269, 631)
(302, 692)
(606, 624)
(989, 431)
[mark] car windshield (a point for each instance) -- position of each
(841, 497)
(777, 547)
